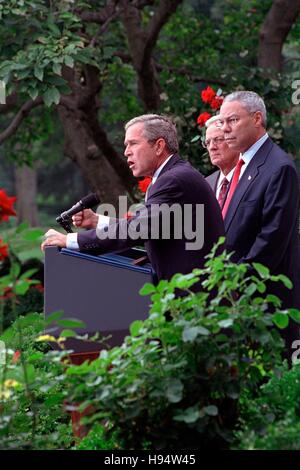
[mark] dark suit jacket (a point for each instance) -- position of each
(213, 180)
(179, 183)
(262, 221)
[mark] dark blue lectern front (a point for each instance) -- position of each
(102, 291)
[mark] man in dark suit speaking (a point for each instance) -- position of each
(194, 226)
(261, 211)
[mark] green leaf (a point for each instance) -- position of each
(286, 281)
(33, 234)
(22, 227)
(69, 61)
(273, 299)
(190, 333)
(54, 29)
(190, 415)
(226, 323)
(22, 287)
(211, 410)
(195, 139)
(71, 323)
(54, 316)
(174, 391)
(67, 333)
(147, 289)
(38, 73)
(56, 67)
(294, 314)
(28, 274)
(33, 93)
(135, 327)
(281, 320)
(51, 96)
(261, 269)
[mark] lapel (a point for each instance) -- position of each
(172, 162)
(247, 180)
(213, 180)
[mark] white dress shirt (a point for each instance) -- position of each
(249, 154)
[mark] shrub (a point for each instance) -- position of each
(177, 384)
(271, 420)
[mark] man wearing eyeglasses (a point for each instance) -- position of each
(221, 156)
(261, 212)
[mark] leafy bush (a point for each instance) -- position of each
(271, 421)
(178, 381)
(177, 384)
(31, 390)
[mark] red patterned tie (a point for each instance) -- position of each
(223, 192)
(234, 182)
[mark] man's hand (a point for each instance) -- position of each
(54, 238)
(85, 219)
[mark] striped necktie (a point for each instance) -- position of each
(223, 192)
(234, 183)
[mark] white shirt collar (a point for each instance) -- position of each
(157, 172)
(249, 154)
(228, 176)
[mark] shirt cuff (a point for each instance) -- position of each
(103, 221)
(72, 243)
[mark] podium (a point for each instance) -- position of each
(102, 291)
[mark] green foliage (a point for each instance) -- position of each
(271, 421)
(31, 393)
(30, 301)
(180, 381)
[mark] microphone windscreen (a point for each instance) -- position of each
(90, 200)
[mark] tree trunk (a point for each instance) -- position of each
(274, 31)
(26, 189)
(86, 142)
(83, 150)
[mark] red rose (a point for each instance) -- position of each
(216, 102)
(202, 118)
(3, 250)
(208, 95)
(143, 184)
(16, 356)
(6, 205)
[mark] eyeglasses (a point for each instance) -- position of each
(213, 140)
(232, 121)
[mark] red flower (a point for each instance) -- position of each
(3, 250)
(38, 287)
(216, 102)
(143, 184)
(208, 95)
(8, 293)
(128, 215)
(6, 205)
(16, 356)
(202, 118)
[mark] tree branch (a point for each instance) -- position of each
(162, 13)
(187, 72)
(274, 31)
(101, 16)
(20, 116)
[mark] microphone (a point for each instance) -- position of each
(64, 219)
